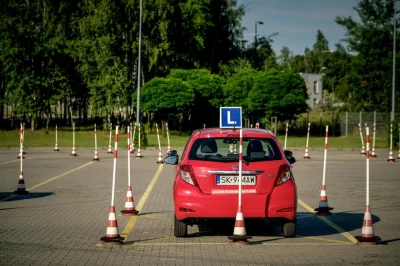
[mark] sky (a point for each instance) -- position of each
(296, 21)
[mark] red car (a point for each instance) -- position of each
(206, 181)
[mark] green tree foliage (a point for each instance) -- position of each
(371, 40)
(278, 93)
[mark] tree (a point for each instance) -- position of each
(278, 93)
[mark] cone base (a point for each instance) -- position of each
(73, 154)
(24, 192)
(19, 157)
(139, 156)
(323, 211)
(112, 240)
(129, 212)
(307, 157)
(160, 162)
(110, 152)
(96, 159)
(368, 241)
(373, 156)
(391, 160)
(237, 240)
(56, 149)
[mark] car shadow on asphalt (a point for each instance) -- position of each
(10, 196)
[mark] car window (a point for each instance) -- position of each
(227, 149)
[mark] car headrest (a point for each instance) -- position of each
(209, 146)
(254, 145)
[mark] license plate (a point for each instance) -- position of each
(234, 180)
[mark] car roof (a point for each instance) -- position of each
(225, 132)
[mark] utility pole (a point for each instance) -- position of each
(255, 42)
(139, 67)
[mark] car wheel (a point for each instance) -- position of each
(289, 229)
(180, 228)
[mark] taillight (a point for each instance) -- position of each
(284, 174)
(187, 174)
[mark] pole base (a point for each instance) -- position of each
(307, 157)
(129, 212)
(96, 159)
(391, 160)
(160, 162)
(23, 192)
(237, 240)
(323, 211)
(57, 149)
(112, 240)
(19, 157)
(368, 241)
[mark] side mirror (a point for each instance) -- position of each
(172, 152)
(171, 159)
(289, 156)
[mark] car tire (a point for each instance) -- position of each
(180, 228)
(289, 229)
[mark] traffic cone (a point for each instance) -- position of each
(323, 208)
(129, 208)
(239, 233)
(73, 153)
(56, 146)
(362, 150)
(21, 185)
(373, 154)
(367, 237)
(306, 155)
(109, 149)
(398, 155)
(20, 153)
(391, 159)
(112, 235)
(96, 156)
(160, 159)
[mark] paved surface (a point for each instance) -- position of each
(61, 220)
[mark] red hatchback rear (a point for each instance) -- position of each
(207, 178)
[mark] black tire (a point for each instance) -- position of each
(289, 229)
(180, 228)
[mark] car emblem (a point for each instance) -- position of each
(235, 166)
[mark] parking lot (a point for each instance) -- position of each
(61, 220)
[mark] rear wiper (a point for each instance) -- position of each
(232, 159)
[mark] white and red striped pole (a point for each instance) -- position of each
(362, 140)
(391, 159)
(131, 144)
(21, 181)
(112, 234)
(306, 155)
(73, 140)
(21, 142)
(169, 144)
(129, 209)
(324, 208)
(286, 134)
(109, 142)
(139, 152)
(159, 159)
(239, 236)
(96, 154)
(56, 146)
(23, 137)
(373, 154)
(204, 126)
(367, 231)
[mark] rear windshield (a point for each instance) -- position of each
(227, 149)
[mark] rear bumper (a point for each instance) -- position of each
(191, 203)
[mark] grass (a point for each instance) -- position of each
(9, 139)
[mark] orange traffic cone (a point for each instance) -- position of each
(73, 153)
(391, 159)
(367, 231)
(96, 156)
(239, 233)
(160, 159)
(129, 208)
(373, 153)
(323, 208)
(112, 235)
(21, 185)
(306, 155)
(362, 150)
(109, 149)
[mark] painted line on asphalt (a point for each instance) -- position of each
(16, 160)
(328, 222)
(132, 221)
(48, 181)
(138, 243)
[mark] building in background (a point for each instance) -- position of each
(314, 87)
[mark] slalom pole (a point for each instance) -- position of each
(139, 154)
(112, 235)
(133, 140)
(169, 145)
(109, 142)
(23, 137)
(96, 154)
(159, 159)
(324, 208)
(373, 154)
(56, 147)
(129, 207)
(239, 236)
(21, 182)
(367, 231)
(391, 159)
(306, 155)
(286, 134)
(398, 156)
(21, 142)
(362, 140)
(73, 140)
